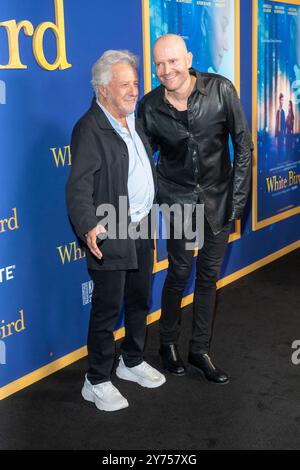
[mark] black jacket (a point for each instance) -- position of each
(99, 175)
(194, 162)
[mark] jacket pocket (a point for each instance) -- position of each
(114, 249)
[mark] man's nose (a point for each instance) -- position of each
(133, 90)
(167, 69)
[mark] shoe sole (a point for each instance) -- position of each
(124, 375)
(175, 373)
(172, 372)
(89, 396)
(191, 366)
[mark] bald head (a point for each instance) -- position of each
(172, 62)
(170, 40)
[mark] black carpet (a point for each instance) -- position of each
(258, 319)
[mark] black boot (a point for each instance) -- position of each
(171, 359)
(203, 363)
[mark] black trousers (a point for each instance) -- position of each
(209, 262)
(111, 290)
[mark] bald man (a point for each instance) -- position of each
(189, 119)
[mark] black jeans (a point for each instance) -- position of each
(209, 263)
(111, 290)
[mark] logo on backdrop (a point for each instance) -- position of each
(14, 29)
(7, 273)
(70, 253)
(2, 92)
(9, 329)
(62, 156)
(2, 353)
(10, 223)
(278, 183)
(87, 291)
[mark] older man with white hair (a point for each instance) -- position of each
(111, 158)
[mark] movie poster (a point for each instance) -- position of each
(207, 28)
(277, 108)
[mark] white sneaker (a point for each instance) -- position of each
(143, 374)
(105, 396)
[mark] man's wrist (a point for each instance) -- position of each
(235, 214)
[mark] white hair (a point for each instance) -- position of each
(101, 70)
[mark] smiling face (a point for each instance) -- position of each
(216, 24)
(121, 94)
(172, 62)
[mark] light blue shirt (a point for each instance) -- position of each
(140, 179)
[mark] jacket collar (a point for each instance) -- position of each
(144, 139)
(200, 86)
(165, 106)
(102, 120)
(200, 81)
(104, 123)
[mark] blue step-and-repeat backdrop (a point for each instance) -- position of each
(47, 49)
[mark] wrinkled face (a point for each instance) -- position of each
(217, 33)
(121, 94)
(172, 63)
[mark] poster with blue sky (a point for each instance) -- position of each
(276, 179)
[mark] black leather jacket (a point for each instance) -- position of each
(194, 162)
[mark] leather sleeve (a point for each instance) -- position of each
(243, 148)
(144, 118)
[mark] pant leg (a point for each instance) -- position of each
(209, 263)
(137, 305)
(107, 302)
(180, 266)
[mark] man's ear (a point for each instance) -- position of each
(102, 91)
(190, 59)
